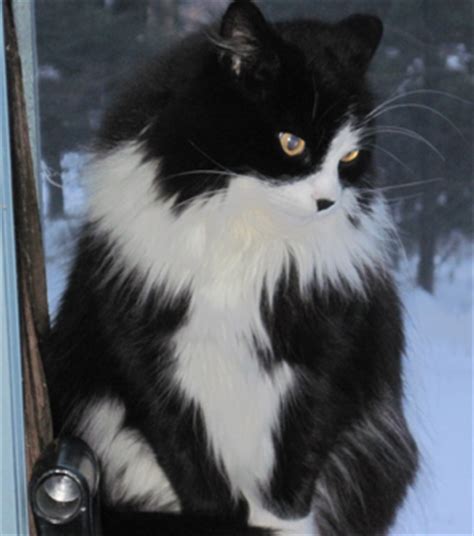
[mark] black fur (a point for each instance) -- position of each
(118, 523)
(355, 378)
(197, 112)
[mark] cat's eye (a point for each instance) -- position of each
(350, 157)
(292, 145)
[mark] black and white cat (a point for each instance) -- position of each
(230, 339)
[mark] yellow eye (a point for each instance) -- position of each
(350, 157)
(291, 144)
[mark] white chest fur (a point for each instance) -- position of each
(239, 400)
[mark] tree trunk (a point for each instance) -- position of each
(426, 262)
(429, 168)
(30, 260)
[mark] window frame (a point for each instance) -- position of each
(14, 496)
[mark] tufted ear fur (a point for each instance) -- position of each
(247, 46)
(361, 35)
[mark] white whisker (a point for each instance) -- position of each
(404, 185)
(215, 162)
(418, 92)
(389, 153)
(421, 107)
(203, 172)
(390, 129)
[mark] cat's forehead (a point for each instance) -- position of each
(319, 82)
(306, 35)
(332, 58)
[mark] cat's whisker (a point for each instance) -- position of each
(404, 185)
(203, 172)
(395, 238)
(389, 153)
(390, 129)
(209, 157)
(394, 200)
(202, 198)
(421, 107)
(417, 92)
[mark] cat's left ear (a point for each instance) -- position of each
(363, 34)
(247, 45)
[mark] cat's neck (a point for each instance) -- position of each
(229, 247)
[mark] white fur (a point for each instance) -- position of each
(285, 527)
(226, 250)
(324, 184)
(240, 401)
(246, 235)
(130, 469)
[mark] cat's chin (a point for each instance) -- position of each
(304, 218)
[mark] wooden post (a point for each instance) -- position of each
(30, 259)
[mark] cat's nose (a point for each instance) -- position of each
(324, 204)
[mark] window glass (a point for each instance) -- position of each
(423, 79)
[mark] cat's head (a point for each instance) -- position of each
(248, 139)
(284, 104)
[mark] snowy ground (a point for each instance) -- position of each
(60, 235)
(439, 402)
(438, 375)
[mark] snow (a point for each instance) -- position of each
(438, 372)
(59, 240)
(60, 235)
(73, 183)
(392, 52)
(457, 58)
(439, 383)
(49, 72)
(455, 63)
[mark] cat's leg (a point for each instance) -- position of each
(366, 475)
(131, 474)
(155, 464)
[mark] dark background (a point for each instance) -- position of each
(87, 48)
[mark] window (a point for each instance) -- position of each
(423, 76)
(13, 511)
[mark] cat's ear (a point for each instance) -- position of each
(246, 44)
(362, 37)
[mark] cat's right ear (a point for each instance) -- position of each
(246, 46)
(361, 37)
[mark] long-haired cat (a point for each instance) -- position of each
(230, 339)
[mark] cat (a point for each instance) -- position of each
(230, 340)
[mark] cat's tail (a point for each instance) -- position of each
(116, 523)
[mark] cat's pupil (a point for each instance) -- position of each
(293, 142)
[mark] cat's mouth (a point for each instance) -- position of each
(289, 215)
(304, 212)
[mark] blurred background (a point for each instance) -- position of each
(423, 78)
